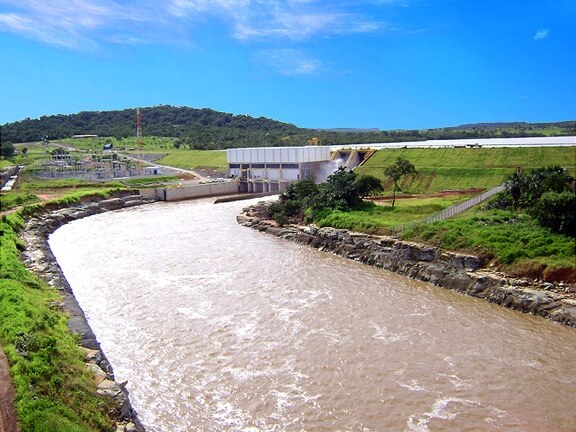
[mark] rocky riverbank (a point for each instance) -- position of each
(38, 257)
(459, 272)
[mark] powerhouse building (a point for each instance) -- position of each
(271, 169)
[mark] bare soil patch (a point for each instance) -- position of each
(8, 419)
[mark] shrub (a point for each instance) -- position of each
(368, 185)
(556, 211)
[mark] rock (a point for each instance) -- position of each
(99, 374)
(112, 204)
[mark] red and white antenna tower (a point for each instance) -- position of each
(139, 136)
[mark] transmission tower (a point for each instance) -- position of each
(139, 136)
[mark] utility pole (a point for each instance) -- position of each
(139, 137)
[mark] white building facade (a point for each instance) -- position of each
(271, 169)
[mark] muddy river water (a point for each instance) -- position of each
(217, 327)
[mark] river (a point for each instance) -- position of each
(217, 327)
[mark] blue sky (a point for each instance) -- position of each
(388, 64)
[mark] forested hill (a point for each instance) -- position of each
(209, 129)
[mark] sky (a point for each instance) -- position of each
(387, 64)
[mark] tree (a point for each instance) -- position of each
(339, 192)
(368, 185)
(293, 202)
(7, 149)
(400, 168)
(515, 184)
(526, 189)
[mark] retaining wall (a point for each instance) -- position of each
(191, 192)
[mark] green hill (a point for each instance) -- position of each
(206, 129)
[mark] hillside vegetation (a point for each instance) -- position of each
(460, 168)
(203, 129)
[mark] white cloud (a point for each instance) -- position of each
(290, 62)
(65, 23)
(77, 23)
(541, 34)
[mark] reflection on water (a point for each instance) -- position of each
(218, 327)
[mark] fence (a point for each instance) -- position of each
(455, 209)
(458, 208)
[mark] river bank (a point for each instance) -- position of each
(38, 258)
(455, 271)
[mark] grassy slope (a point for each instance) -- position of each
(442, 169)
(512, 239)
(54, 391)
(193, 159)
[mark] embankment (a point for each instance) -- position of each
(459, 272)
(38, 257)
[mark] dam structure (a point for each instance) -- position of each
(269, 170)
(272, 169)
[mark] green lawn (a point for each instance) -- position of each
(459, 168)
(192, 159)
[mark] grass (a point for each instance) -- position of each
(54, 390)
(514, 241)
(382, 220)
(9, 200)
(67, 200)
(511, 241)
(460, 168)
(150, 144)
(194, 159)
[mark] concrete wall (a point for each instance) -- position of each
(191, 192)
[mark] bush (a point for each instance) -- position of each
(7, 149)
(556, 211)
(340, 192)
(368, 185)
